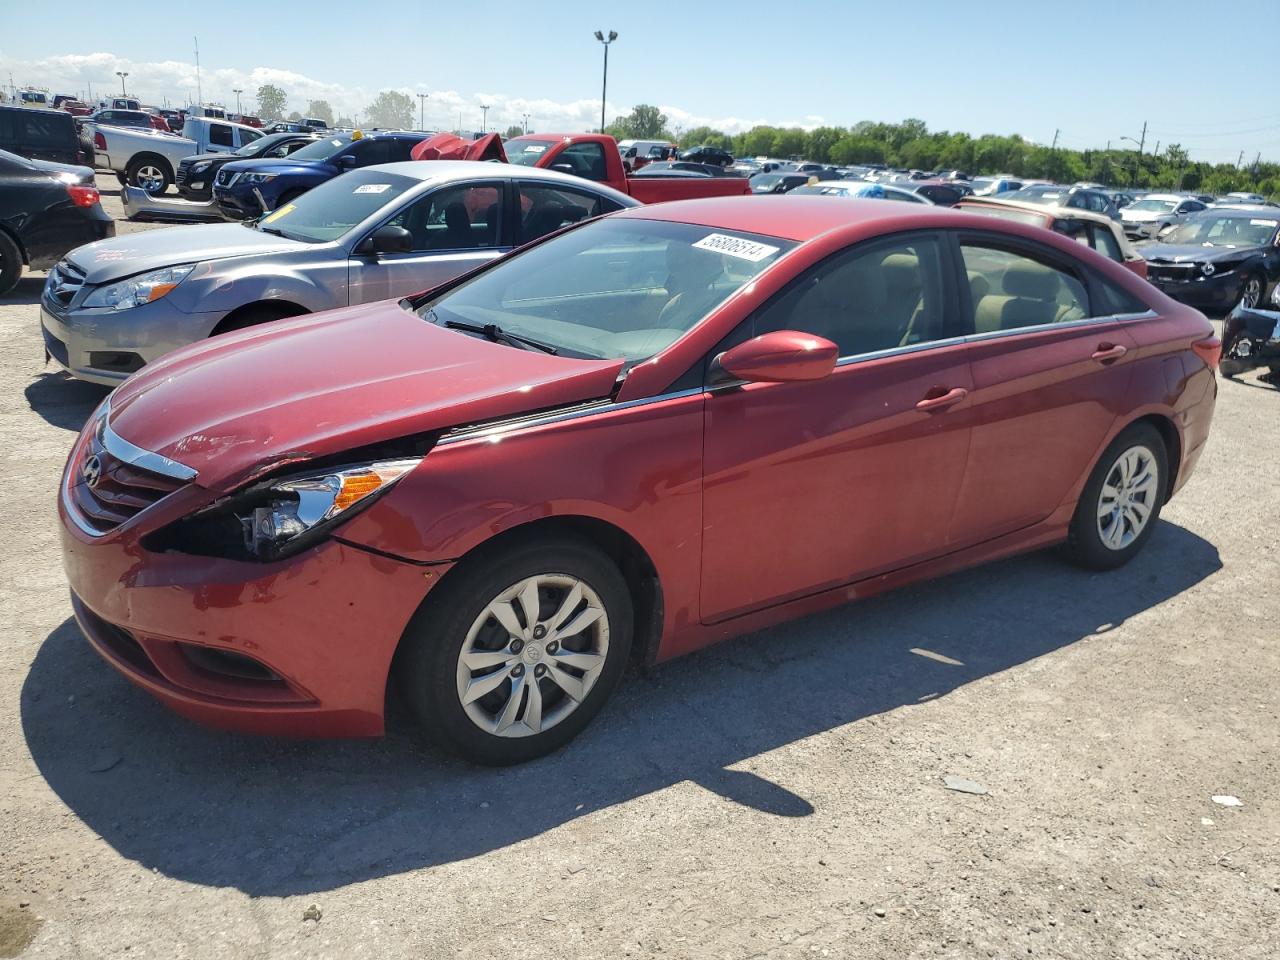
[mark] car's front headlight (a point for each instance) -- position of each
(135, 291)
(257, 177)
(276, 518)
(201, 167)
(296, 507)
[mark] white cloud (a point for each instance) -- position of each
(175, 81)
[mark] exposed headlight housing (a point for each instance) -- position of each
(257, 177)
(276, 518)
(135, 291)
(296, 507)
(201, 167)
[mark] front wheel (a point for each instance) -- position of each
(518, 651)
(151, 174)
(1251, 292)
(1121, 503)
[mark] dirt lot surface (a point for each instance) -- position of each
(782, 795)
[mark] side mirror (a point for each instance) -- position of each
(783, 356)
(388, 239)
(347, 161)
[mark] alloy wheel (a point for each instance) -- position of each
(150, 178)
(1252, 292)
(532, 655)
(1128, 497)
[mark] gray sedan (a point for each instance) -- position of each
(385, 231)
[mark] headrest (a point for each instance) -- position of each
(979, 286)
(1032, 280)
(901, 270)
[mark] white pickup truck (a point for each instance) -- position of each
(147, 158)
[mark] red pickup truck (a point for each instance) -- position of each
(592, 156)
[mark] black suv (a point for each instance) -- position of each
(705, 154)
(42, 135)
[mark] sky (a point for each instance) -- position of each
(1032, 68)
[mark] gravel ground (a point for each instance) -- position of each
(781, 795)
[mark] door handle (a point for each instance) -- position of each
(948, 399)
(1109, 352)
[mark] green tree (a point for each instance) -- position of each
(344, 121)
(321, 110)
(788, 143)
(644, 122)
(391, 109)
(271, 101)
(294, 116)
(515, 130)
(708, 136)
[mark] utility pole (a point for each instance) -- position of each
(122, 74)
(199, 91)
(422, 111)
(484, 116)
(1055, 140)
(604, 85)
(526, 123)
(1156, 151)
(1239, 159)
(237, 91)
(1143, 141)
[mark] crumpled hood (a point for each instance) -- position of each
(1170, 253)
(135, 253)
(238, 405)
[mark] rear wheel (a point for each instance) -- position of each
(10, 263)
(518, 652)
(1121, 503)
(152, 174)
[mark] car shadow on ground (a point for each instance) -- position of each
(26, 294)
(274, 817)
(62, 400)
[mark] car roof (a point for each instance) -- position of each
(1048, 210)
(1239, 211)
(467, 169)
(804, 218)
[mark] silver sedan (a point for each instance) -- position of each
(375, 233)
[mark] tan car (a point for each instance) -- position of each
(1091, 229)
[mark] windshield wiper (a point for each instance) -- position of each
(497, 334)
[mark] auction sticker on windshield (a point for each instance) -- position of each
(1262, 223)
(277, 214)
(736, 247)
(372, 188)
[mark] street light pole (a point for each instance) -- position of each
(122, 74)
(604, 85)
(422, 111)
(237, 91)
(526, 123)
(484, 117)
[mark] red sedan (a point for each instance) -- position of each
(639, 436)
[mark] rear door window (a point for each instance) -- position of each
(40, 130)
(544, 209)
(220, 135)
(1011, 290)
(1104, 241)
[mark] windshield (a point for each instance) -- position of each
(1154, 206)
(982, 183)
(259, 145)
(321, 149)
(328, 211)
(1223, 232)
(568, 292)
(527, 152)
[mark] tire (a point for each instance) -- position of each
(1251, 291)
(124, 181)
(1103, 541)
(10, 263)
(152, 174)
(457, 620)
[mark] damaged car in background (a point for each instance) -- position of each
(109, 308)
(1219, 258)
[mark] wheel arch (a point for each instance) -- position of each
(1172, 444)
(633, 561)
(280, 308)
(142, 155)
